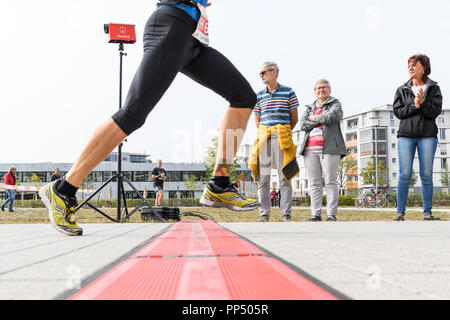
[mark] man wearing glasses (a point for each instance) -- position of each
(276, 115)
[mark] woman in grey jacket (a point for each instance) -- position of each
(322, 148)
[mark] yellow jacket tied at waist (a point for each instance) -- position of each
(284, 132)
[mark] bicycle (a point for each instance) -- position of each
(391, 201)
(371, 199)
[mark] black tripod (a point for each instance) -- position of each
(119, 176)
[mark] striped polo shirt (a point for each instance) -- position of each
(275, 108)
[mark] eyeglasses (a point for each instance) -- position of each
(263, 73)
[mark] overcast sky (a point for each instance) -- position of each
(59, 76)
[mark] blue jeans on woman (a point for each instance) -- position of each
(426, 149)
(10, 199)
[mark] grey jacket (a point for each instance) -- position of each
(333, 141)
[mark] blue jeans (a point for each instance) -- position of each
(10, 199)
(426, 149)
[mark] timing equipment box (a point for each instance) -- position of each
(121, 33)
(167, 213)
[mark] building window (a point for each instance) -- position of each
(352, 124)
(367, 149)
(443, 148)
(392, 131)
(141, 176)
(443, 163)
(394, 175)
(199, 174)
(138, 159)
(392, 123)
(129, 175)
(441, 120)
(393, 146)
(97, 176)
(381, 133)
(363, 120)
(174, 176)
(111, 158)
(394, 160)
(442, 134)
(107, 175)
(365, 135)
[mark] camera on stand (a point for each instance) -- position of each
(120, 33)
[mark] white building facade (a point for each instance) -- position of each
(136, 167)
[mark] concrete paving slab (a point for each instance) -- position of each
(363, 260)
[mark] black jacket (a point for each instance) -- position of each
(418, 123)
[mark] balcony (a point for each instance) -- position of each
(351, 185)
(351, 143)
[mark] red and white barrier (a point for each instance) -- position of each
(34, 189)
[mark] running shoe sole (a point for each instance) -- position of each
(216, 204)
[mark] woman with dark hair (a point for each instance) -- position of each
(417, 104)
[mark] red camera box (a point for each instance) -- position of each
(122, 33)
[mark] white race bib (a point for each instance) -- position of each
(202, 34)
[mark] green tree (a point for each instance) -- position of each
(445, 176)
(192, 184)
(211, 155)
(35, 181)
(88, 182)
(368, 173)
(347, 163)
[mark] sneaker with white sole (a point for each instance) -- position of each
(228, 197)
(60, 209)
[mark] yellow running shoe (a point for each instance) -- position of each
(60, 210)
(217, 197)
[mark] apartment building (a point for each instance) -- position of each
(374, 133)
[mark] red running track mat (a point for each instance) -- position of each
(199, 260)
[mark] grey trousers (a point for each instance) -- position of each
(272, 157)
(316, 165)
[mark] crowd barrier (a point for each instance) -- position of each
(35, 189)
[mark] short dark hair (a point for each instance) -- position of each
(424, 61)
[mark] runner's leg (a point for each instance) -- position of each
(211, 69)
(214, 71)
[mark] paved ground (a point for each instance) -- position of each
(363, 260)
